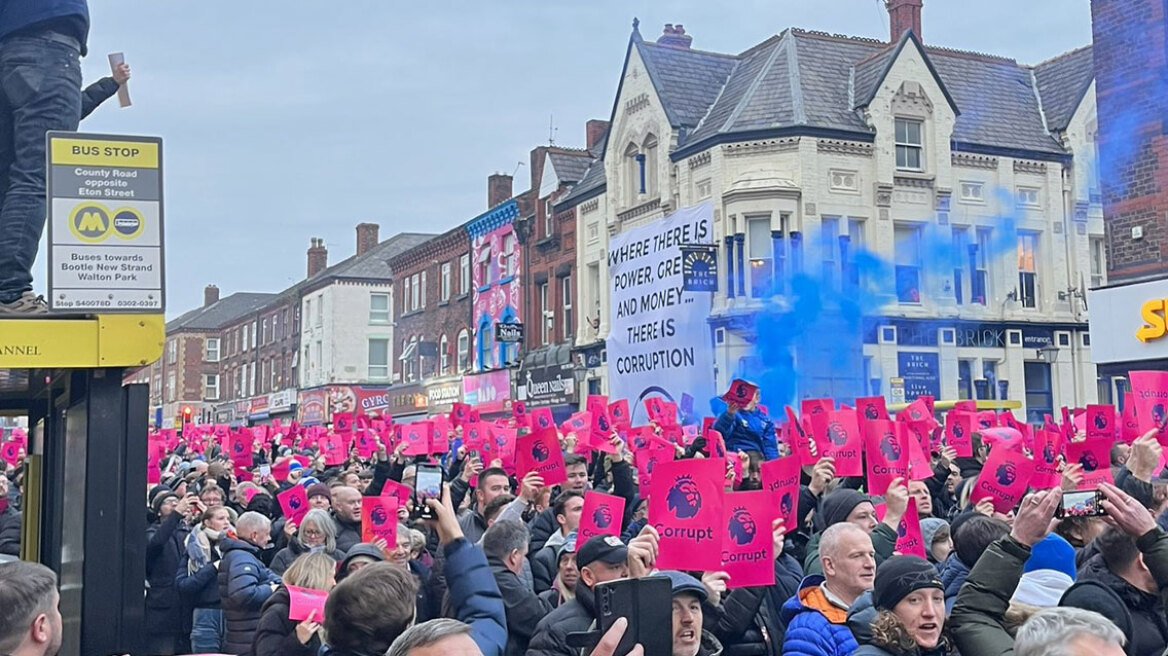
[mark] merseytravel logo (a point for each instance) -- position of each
(93, 223)
(1154, 314)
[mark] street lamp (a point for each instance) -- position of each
(1048, 353)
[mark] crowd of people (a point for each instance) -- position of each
(500, 568)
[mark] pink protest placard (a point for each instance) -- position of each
(1048, 446)
(802, 441)
(685, 506)
(887, 455)
(780, 478)
(398, 491)
(1150, 391)
(459, 414)
(1100, 422)
(909, 541)
(539, 452)
(986, 419)
(542, 418)
(294, 503)
(1003, 479)
(1095, 457)
(741, 393)
(844, 443)
(602, 515)
(366, 444)
(1129, 424)
(595, 402)
(916, 411)
(748, 547)
(241, 447)
(379, 519)
(601, 429)
(333, 448)
(871, 408)
(343, 423)
(618, 411)
(439, 434)
(579, 423)
(475, 436)
(959, 432)
(501, 445)
(281, 469)
(715, 445)
(306, 602)
(647, 460)
(417, 438)
(653, 408)
(919, 466)
(1010, 438)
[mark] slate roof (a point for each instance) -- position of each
(220, 313)
(818, 80)
(592, 184)
(570, 167)
(1062, 83)
(687, 80)
(374, 263)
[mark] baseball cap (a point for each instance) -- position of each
(684, 583)
(605, 548)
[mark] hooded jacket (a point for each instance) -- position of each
(953, 573)
(814, 626)
(1148, 634)
(244, 586)
(748, 430)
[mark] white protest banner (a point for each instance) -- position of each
(659, 343)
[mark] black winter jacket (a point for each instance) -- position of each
(244, 585)
(348, 533)
(551, 634)
(748, 623)
(524, 608)
(286, 556)
(201, 589)
(10, 531)
(276, 634)
(544, 568)
(1149, 627)
(165, 612)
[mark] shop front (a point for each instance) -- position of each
(1129, 332)
(282, 405)
(489, 392)
(442, 394)
(547, 379)
(407, 402)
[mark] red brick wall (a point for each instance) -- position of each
(1132, 92)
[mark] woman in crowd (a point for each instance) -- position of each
(277, 635)
(197, 580)
(316, 532)
(905, 614)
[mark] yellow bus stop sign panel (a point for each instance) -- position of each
(112, 340)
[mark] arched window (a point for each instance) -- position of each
(443, 355)
(463, 350)
(634, 173)
(486, 343)
(649, 177)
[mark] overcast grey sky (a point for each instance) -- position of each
(288, 120)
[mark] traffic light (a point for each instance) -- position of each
(187, 414)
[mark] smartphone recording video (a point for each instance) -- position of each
(1085, 503)
(427, 485)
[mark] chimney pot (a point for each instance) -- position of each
(210, 295)
(367, 237)
(499, 186)
(904, 15)
(674, 37)
(596, 130)
(317, 257)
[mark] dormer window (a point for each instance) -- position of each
(909, 144)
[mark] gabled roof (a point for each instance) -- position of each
(802, 82)
(687, 81)
(220, 313)
(1062, 83)
(372, 264)
(867, 83)
(590, 186)
(569, 166)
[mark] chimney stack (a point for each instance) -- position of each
(210, 295)
(904, 15)
(317, 257)
(596, 130)
(674, 36)
(498, 189)
(366, 237)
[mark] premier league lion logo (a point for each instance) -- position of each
(984, 422)
(740, 391)
(837, 434)
(870, 412)
(785, 504)
(379, 516)
(602, 517)
(539, 451)
(602, 423)
(1048, 454)
(294, 503)
(237, 447)
(1100, 422)
(684, 498)
(901, 529)
(1089, 461)
(543, 422)
(816, 409)
(914, 414)
(1006, 474)
(1159, 417)
(742, 527)
(958, 431)
(890, 447)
